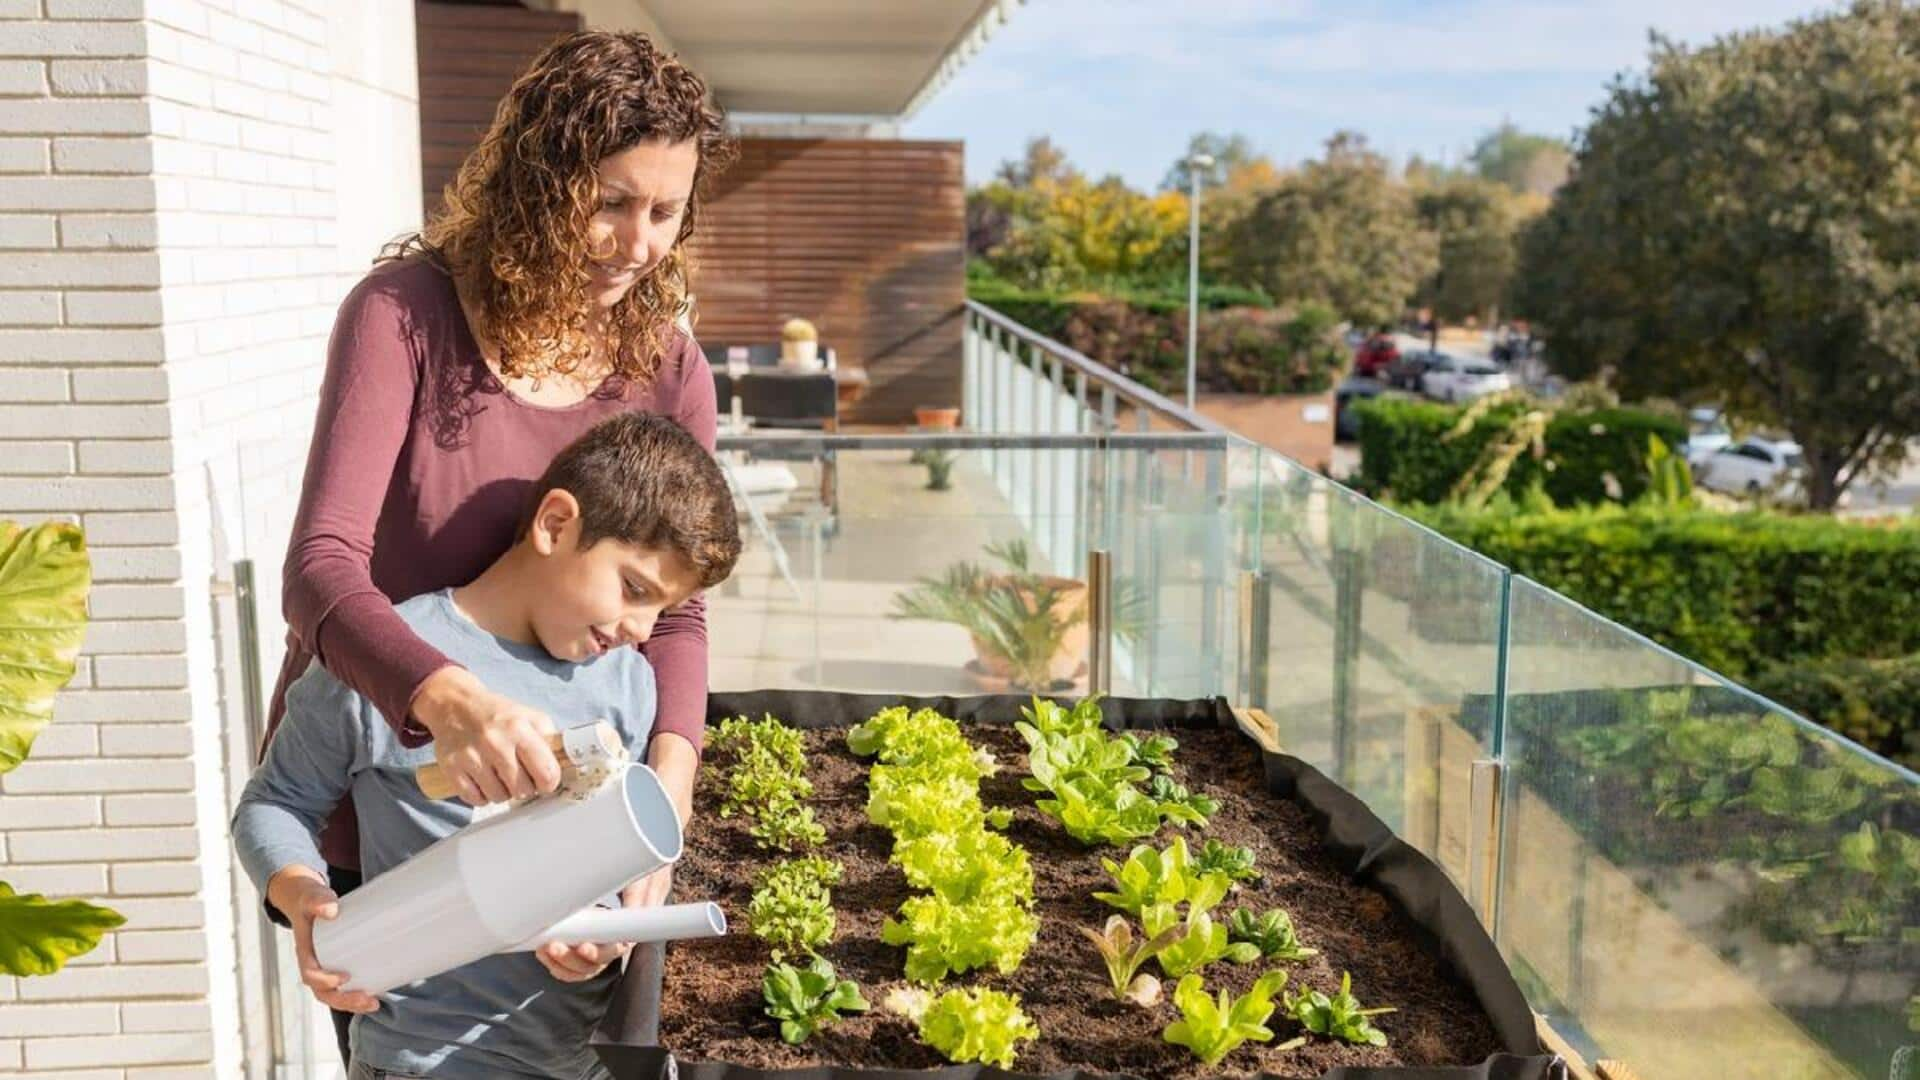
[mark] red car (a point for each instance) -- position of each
(1373, 356)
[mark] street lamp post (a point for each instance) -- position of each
(1195, 164)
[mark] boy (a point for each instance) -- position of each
(633, 518)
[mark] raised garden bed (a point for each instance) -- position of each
(1368, 904)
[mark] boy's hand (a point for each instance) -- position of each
(492, 747)
(302, 895)
(578, 963)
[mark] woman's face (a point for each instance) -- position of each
(643, 198)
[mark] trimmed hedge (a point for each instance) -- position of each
(1403, 457)
(1736, 592)
(1876, 703)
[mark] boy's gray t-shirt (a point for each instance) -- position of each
(502, 1015)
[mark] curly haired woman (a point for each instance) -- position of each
(541, 300)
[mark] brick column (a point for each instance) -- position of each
(186, 189)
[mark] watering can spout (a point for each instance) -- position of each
(668, 922)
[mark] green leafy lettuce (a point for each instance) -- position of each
(1212, 1027)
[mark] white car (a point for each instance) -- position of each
(1449, 378)
(1754, 467)
(1707, 435)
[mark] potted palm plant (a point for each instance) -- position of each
(1029, 629)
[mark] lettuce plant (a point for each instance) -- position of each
(1212, 1027)
(969, 1025)
(1153, 751)
(1203, 942)
(1094, 777)
(1339, 1015)
(1271, 933)
(1152, 884)
(807, 999)
(943, 936)
(1123, 954)
(1052, 718)
(966, 865)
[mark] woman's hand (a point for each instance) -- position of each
(578, 963)
(302, 895)
(492, 747)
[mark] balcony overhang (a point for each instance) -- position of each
(878, 60)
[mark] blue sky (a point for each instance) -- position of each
(1122, 84)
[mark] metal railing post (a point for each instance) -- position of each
(1100, 622)
(1485, 798)
(1213, 563)
(1256, 611)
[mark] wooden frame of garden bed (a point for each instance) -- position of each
(628, 1040)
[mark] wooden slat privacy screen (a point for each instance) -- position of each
(866, 238)
(469, 55)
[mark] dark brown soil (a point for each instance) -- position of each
(712, 1005)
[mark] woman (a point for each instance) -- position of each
(541, 300)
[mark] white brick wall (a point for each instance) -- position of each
(187, 187)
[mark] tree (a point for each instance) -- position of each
(1074, 232)
(1042, 161)
(1529, 164)
(1743, 225)
(993, 207)
(1477, 223)
(1229, 152)
(1339, 232)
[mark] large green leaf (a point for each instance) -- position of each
(44, 576)
(38, 936)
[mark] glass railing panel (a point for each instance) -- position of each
(1694, 880)
(1382, 655)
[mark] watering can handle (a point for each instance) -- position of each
(576, 746)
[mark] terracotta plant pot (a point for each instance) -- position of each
(931, 418)
(1070, 601)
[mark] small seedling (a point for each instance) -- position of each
(1339, 1015)
(1237, 863)
(807, 999)
(1271, 933)
(1124, 956)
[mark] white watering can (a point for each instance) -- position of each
(519, 879)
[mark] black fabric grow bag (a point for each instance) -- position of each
(627, 1042)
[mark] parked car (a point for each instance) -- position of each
(1374, 355)
(1449, 378)
(1754, 466)
(1707, 434)
(1405, 370)
(1346, 423)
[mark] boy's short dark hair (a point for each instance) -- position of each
(643, 479)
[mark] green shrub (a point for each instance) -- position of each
(1736, 592)
(1403, 453)
(1876, 703)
